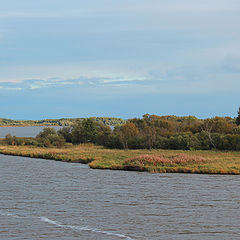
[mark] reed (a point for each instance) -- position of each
(155, 161)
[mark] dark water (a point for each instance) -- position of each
(23, 131)
(44, 199)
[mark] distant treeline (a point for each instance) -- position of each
(151, 131)
(110, 121)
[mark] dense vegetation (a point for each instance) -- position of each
(210, 162)
(148, 138)
(110, 121)
(149, 132)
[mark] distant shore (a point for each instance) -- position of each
(154, 161)
(30, 126)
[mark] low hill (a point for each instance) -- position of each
(110, 121)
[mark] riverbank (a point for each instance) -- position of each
(26, 125)
(155, 161)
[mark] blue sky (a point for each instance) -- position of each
(119, 58)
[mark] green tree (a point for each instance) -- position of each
(238, 117)
(127, 132)
(46, 131)
(56, 140)
(84, 131)
(48, 137)
(103, 136)
(9, 139)
(66, 132)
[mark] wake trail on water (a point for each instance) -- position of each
(3, 213)
(78, 228)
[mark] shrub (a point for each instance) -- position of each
(9, 139)
(49, 137)
(31, 142)
(66, 133)
(45, 132)
(18, 141)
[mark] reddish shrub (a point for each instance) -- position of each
(143, 160)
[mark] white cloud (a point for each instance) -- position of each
(122, 79)
(11, 88)
(172, 83)
(84, 70)
(211, 26)
(204, 75)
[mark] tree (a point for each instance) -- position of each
(46, 131)
(84, 131)
(127, 132)
(9, 139)
(66, 133)
(103, 136)
(238, 117)
(207, 128)
(150, 133)
(48, 137)
(56, 140)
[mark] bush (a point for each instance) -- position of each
(56, 140)
(18, 141)
(45, 132)
(31, 142)
(66, 133)
(49, 137)
(9, 139)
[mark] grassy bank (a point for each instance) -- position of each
(207, 162)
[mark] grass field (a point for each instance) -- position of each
(155, 161)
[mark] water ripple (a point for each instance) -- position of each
(78, 228)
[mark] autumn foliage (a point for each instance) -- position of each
(143, 162)
(148, 132)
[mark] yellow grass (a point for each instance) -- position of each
(101, 158)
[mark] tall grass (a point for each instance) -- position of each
(210, 162)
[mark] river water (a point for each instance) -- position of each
(23, 131)
(45, 199)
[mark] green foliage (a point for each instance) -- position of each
(9, 139)
(84, 131)
(149, 132)
(45, 132)
(113, 142)
(238, 118)
(108, 121)
(66, 133)
(56, 140)
(230, 142)
(127, 132)
(48, 137)
(32, 142)
(236, 130)
(171, 132)
(18, 141)
(103, 134)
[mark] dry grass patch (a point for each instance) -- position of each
(146, 162)
(210, 162)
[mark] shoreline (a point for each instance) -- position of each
(224, 163)
(32, 126)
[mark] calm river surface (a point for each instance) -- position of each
(44, 199)
(23, 131)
